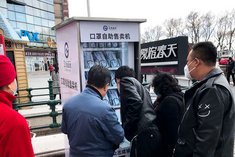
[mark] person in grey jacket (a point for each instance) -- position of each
(207, 127)
(137, 114)
(91, 124)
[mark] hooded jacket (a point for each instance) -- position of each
(15, 139)
(207, 127)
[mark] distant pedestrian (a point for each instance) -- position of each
(91, 124)
(169, 108)
(230, 70)
(56, 83)
(15, 139)
(51, 68)
(207, 127)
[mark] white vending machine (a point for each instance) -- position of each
(83, 42)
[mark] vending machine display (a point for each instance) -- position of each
(109, 55)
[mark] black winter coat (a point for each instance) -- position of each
(137, 111)
(169, 110)
(207, 127)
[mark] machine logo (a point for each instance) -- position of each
(66, 50)
(105, 28)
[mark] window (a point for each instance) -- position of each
(43, 6)
(20, 8)
(38, 29)
(3, 11)
(29, 10)
(37, 12)
(51, 16)
(50, 8)
(30, 28)
(35, 3)
(44, 14)
(20, 17)
(13, 24)
(29, 19)
(29, 2)
(21, 25)
(45, 23)
(10, 7)
(37, 21)
(11, 15)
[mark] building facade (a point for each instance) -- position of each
(32, 21)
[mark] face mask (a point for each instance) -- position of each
(187, 72)
(14, 91)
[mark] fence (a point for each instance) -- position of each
(51, 103)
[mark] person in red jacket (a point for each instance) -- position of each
(15, 139)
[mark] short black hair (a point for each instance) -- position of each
(124, 71)
(98, 76)
(165, 84)
(206, 51)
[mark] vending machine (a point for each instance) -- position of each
(84, 41)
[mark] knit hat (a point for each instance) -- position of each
(7, 71)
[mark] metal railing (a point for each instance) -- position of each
(17, 104)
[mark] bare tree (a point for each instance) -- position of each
(208, 25)
(193, 25)
(222, 24)
(231, 29)
(152, 34)
(173, 27)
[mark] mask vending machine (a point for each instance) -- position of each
(84, 42)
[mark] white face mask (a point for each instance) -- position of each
(187, 72)
(14, 92)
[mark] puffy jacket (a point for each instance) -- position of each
(15, 139)
(137, 111)
(91, 125)
(207, 128)
(169, 109)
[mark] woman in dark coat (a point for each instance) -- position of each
(169, 108)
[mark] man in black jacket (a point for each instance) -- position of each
(137, 114)
(230, 70)
(207, 127)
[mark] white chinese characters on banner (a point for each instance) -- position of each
(163, 51)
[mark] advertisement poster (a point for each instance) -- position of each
(68, 59)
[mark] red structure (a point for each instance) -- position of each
(2, 45)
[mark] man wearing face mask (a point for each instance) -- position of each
(207, 127)
(15, 140)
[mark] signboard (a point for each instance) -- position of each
(164, 55)
(68, 60)
(32, 36)
(109, 32)
(42, 54)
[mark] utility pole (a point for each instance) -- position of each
(88, 8)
